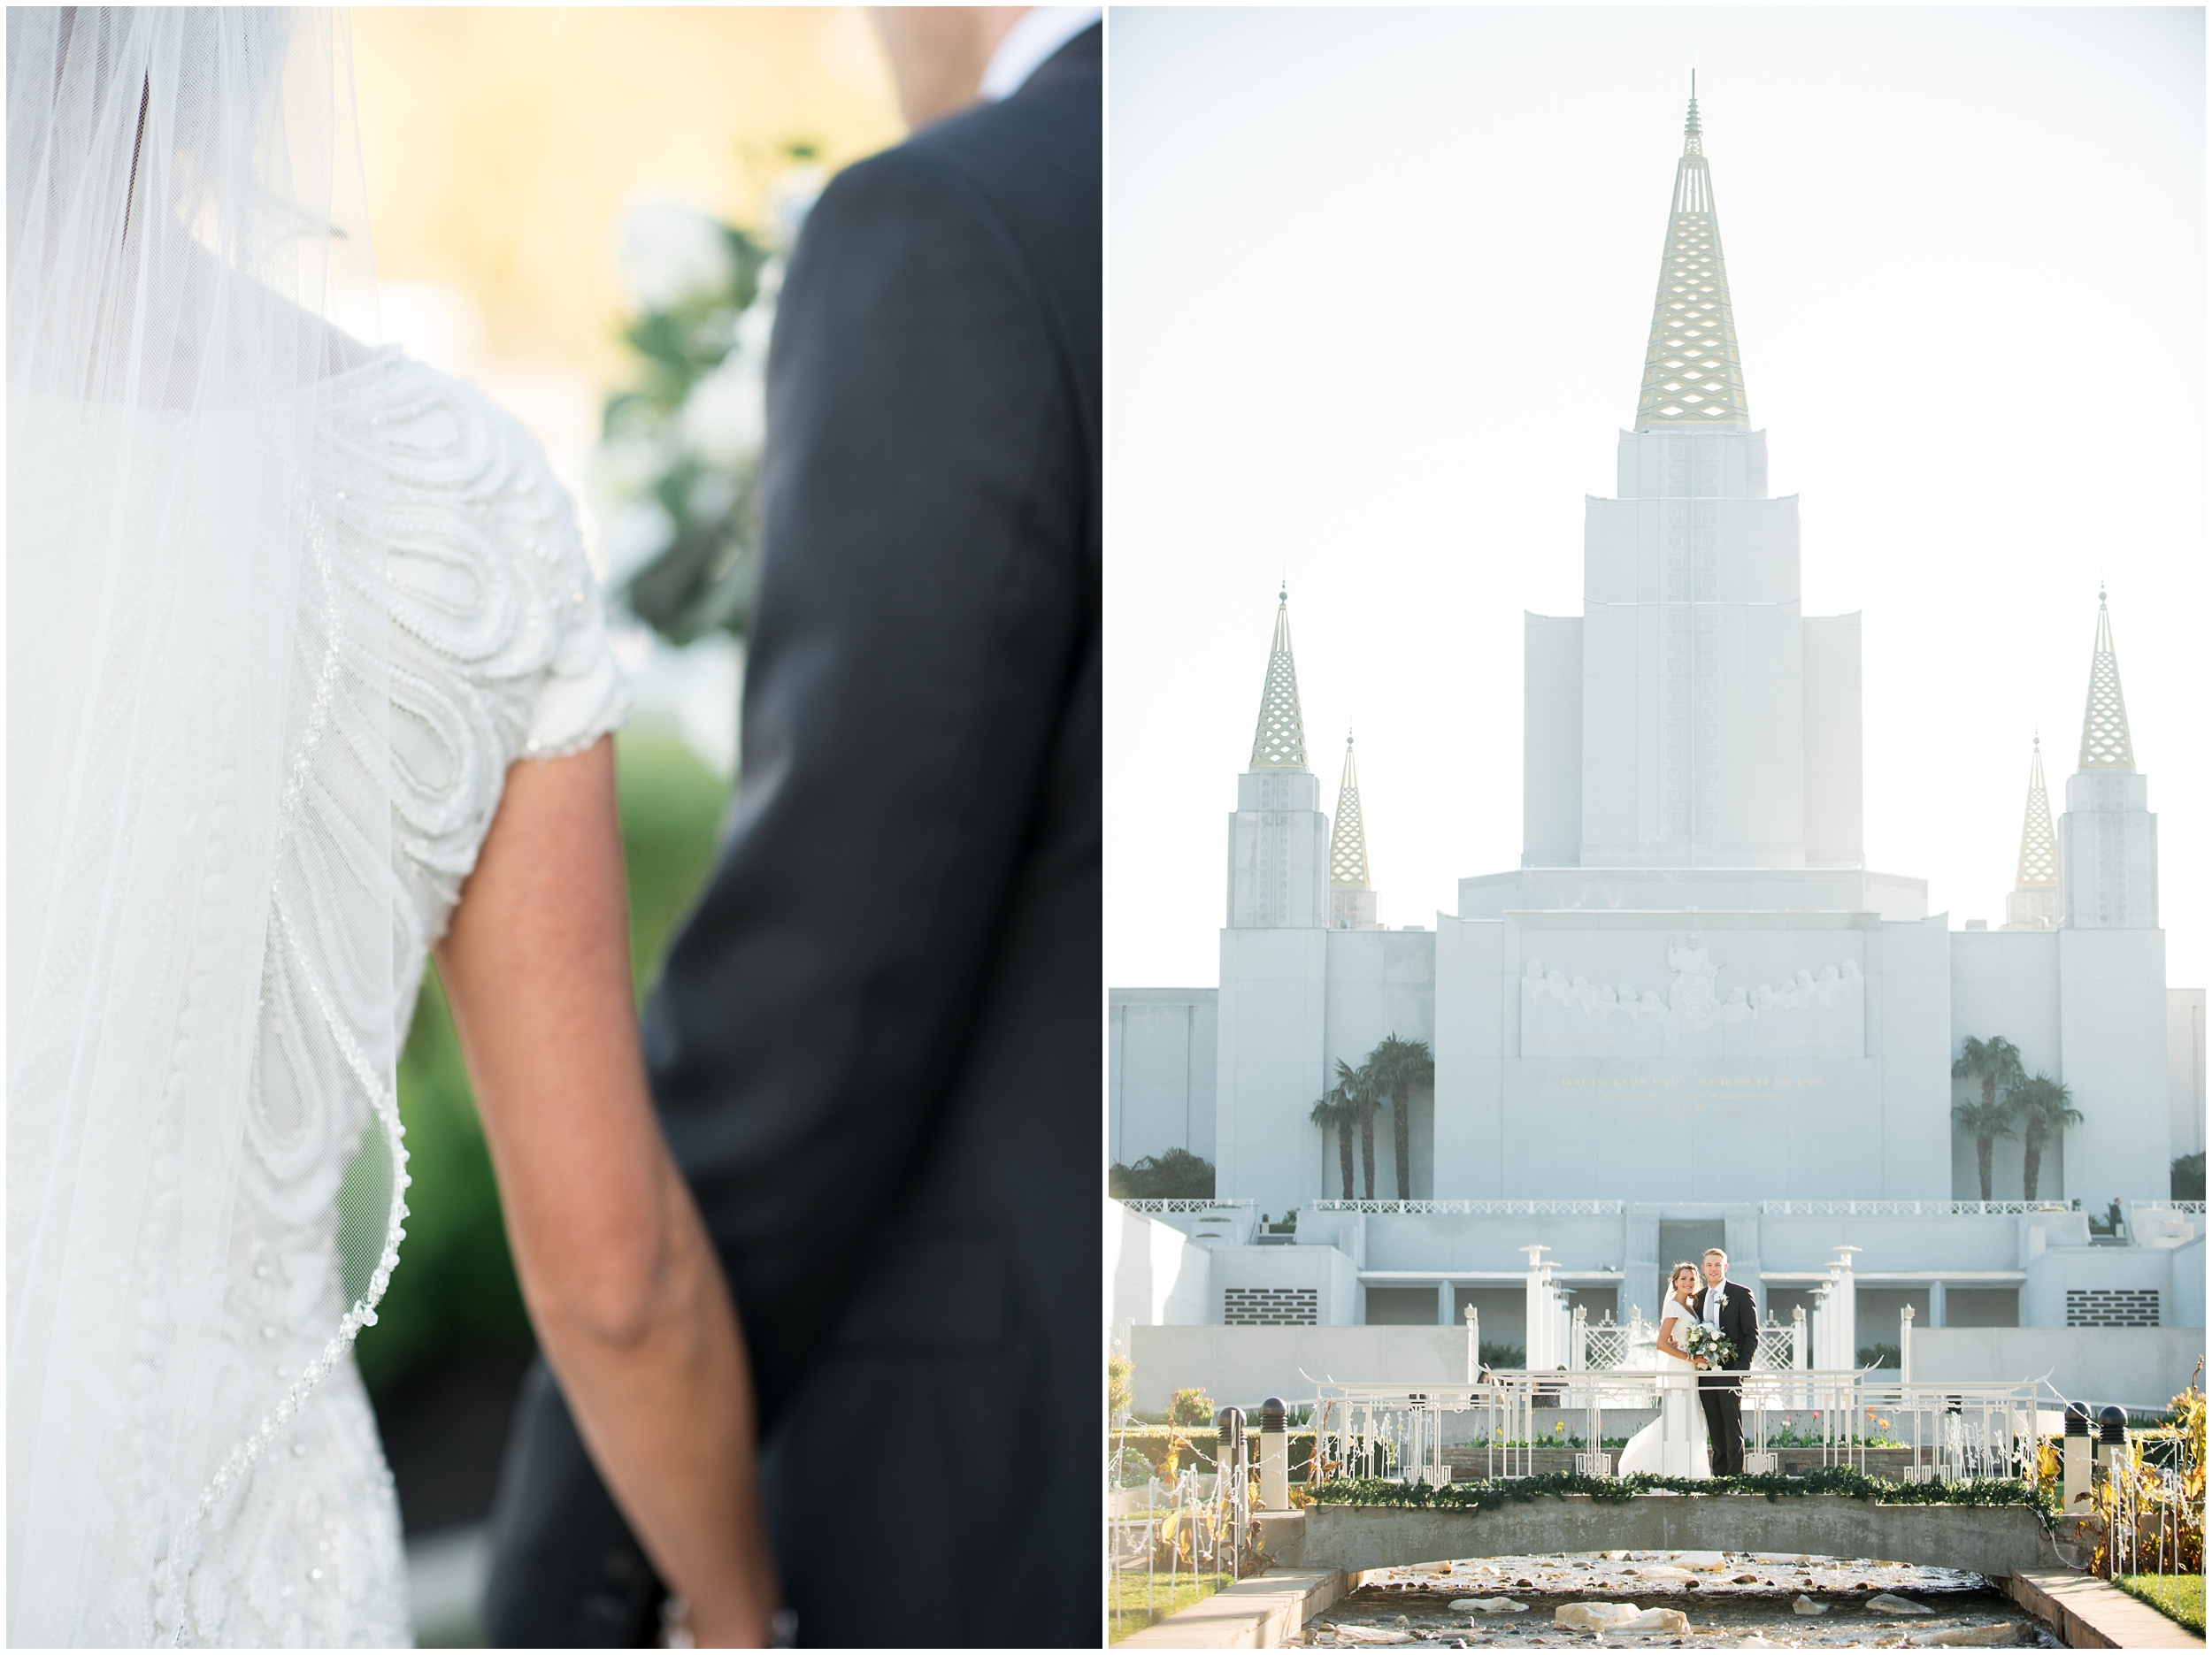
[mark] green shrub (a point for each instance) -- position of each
(1120, 1393)
(1176, 1176)
(1496, 1353)
(1191, 1407)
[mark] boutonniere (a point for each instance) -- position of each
(1720, 1298)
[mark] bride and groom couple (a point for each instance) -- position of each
(308, 679)
(1702, 1304)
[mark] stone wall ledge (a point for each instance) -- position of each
(2093, 1614)
(1994, 1540)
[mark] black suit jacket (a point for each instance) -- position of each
(1739, 1325)
(875, 1045)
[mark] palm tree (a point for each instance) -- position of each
(2046, 1106)
(1396, 1066)
(1997, 1062)
(1360, 1094)
(1333, 1114)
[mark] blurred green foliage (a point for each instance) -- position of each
(454, 1294)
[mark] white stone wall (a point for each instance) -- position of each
(2004, 982)
(1324, 1271)
(1161, 1057)
(1693, 646)
(1271, 1025)
(1473, 973)
(1154, 1274)
(1241, 1367)
(2112, 1041)
(1279, 850)
(1675, 890)
(2185, 1069)
(2107, 851)
(2135, 1367)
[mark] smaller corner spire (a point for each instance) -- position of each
(2039, 845)
(1347, 837)
(1279, 740)
(2105, 744)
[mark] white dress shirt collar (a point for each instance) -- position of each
(1039, 33)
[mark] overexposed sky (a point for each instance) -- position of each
(1379, 288)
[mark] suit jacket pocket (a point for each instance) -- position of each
(927, 1292)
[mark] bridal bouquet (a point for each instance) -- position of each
(1703, 1341)
(680, 451)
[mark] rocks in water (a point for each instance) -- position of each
(1592, 1617)
(1672, 1621)
(1890, 1603)
(1745, 1579)
(1708, 1562)
(1658, 1572)
(1781, 1556)
(1805, 1605)
(1487, 1606)
(1403, 1621)
(2003, 1634)
(1373, 1635)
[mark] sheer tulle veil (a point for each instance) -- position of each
(190, 306)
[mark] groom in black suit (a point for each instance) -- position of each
(875, 1045)
(1736, 1314)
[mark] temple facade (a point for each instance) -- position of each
(1693, 1004)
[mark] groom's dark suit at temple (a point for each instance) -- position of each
(1721, 1394)
(875, 1045)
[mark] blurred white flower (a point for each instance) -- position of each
(634, 534)
(626, 465)
(670, 252)
(754, 328)
(712, 496)
(726, 416)
(791, 198)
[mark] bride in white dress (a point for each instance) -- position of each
(285, 610)
(1673, 1444)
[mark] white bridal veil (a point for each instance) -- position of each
(201, 982)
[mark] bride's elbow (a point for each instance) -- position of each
(614, 1296)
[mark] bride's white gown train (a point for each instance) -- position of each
(1673, 1444)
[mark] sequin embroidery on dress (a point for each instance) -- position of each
(495, 649)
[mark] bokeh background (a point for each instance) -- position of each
(504, 150)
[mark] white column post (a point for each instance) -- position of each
(1444, 1317)
(1904, 1345)
(1538, 1311)
(1474, 1345)
(1936, 1305)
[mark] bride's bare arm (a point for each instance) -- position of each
(1666, 1340)
(621, 1280)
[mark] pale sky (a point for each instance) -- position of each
(1380, 284)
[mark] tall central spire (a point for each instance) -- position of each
(1279, 742)
(2105, 742)
(1693, 372)
(2039, 849)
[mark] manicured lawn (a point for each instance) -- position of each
(2176, 1596)
(1133, 1616)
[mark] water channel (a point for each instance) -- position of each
(1732, 1600)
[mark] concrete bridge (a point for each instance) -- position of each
(1989, 1540)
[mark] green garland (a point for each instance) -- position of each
(1492, 1495)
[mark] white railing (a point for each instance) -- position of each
(1181, 1204)
(1476, 1209)
(1910, 1209)
(1952, 1432)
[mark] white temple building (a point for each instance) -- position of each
(1692, 1015)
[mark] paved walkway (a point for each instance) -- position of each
(1254, 1615)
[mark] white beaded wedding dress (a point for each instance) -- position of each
(1673, 1444)
(283, 609)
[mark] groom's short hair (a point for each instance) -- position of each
(1717, 1253)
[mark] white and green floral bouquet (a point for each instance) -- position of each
(679, 460)
(1709, 1343)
